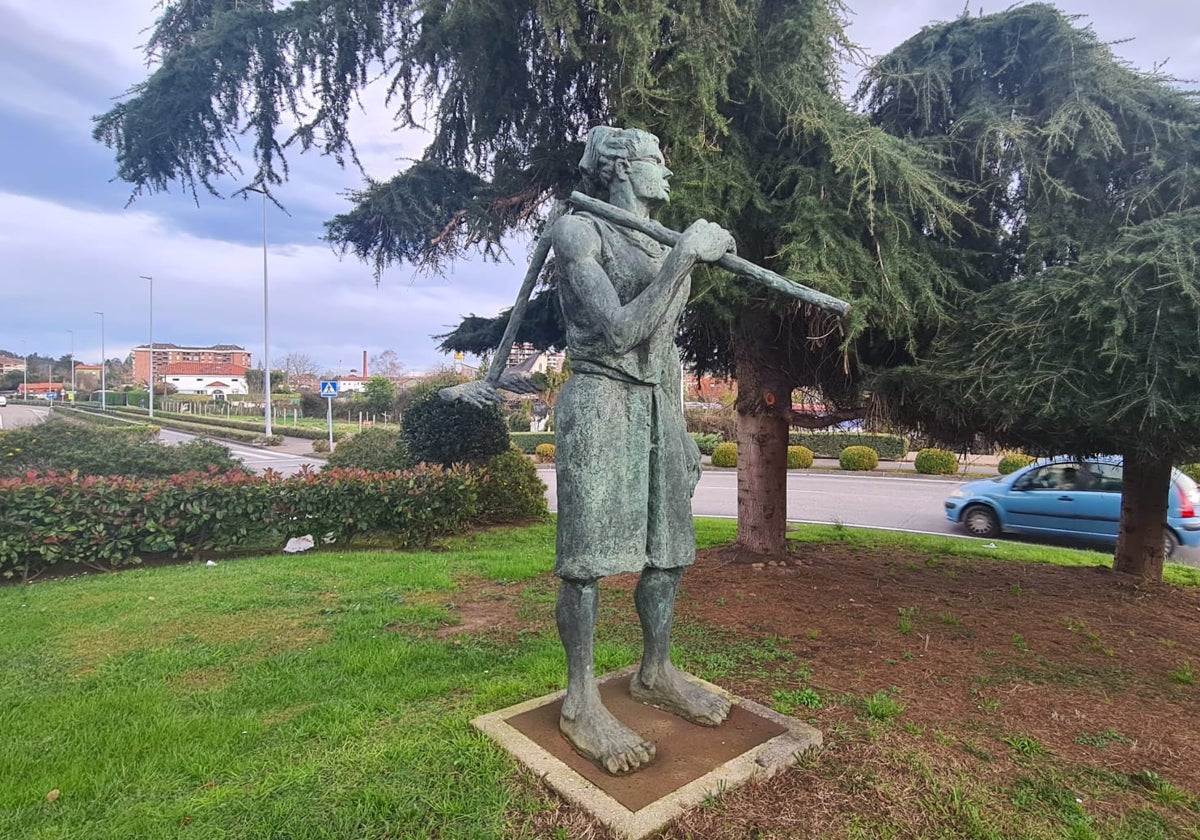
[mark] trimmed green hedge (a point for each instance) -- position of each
(831, 444)
(858, 458)
(528, 442)
(799, 457)
(725, 455)
(110, 521)
(1012, 463)
(93, 416)
(936, 462)
(62, 445)
(228, 423)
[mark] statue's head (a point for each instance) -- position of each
(623, 156)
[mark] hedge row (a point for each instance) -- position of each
(110, 521)
(93, 416)
(230, 423)
(528, 442)
(831, 444)
(209, 430)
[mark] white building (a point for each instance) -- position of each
(213, 379)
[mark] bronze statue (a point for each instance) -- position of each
(626, 467)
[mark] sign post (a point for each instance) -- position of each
(329, 390)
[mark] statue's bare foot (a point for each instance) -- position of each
(668, 689)
(596, 734)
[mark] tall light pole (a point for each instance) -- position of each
(103, 367)
(151, 279)
(72, 332)
(266, 320)
(25, 349)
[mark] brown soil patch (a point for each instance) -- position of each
(1010, 676)
(483, 609)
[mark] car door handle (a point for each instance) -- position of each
(1066, 498)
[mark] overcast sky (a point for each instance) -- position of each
(69, 245)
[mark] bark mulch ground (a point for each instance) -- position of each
(958, 698)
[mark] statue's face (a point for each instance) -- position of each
(648, 173)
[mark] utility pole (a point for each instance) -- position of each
(103, 367)
(266, 320)
(151, 279)
(72, 332)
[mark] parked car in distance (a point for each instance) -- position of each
(1066, 497)
(3, 400)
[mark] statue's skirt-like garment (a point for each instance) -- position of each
(624, 483)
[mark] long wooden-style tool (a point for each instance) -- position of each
(729, 262)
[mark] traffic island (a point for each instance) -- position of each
(692, 763)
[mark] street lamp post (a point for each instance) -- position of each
(151, 279)
(72, 332)
(266, 321)
(25, 349)
(103, 367)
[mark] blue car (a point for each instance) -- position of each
(1065, 497)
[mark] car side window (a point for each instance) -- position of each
(1044, 478)
(1108, 476)
(1072, 476)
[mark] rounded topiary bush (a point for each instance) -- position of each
(725, 455)
(320, 445)
(1012, 463)
(544, 453)
(706, 443)
(509, 489)
(858, 458)
(936, 462)
(375, 448)
(448, 432)
(799, 457)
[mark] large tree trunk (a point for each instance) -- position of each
(1143, 517)
(763, 405)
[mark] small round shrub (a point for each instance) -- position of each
(858, 458)
(799, 457)
(1012, 463)
(375, 448)
(320, 445)
(725, 455)
(544, 453)
(936, 462)
(705, 442)
(449, 432)
(1192, 471)
(509, 490)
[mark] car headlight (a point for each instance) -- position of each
(957, 494)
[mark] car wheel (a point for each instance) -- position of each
(1170, 543)
(980, 521)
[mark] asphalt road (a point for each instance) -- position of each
(12, 416)
(892, 502)
(258, 460)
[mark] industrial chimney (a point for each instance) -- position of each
(364, 373)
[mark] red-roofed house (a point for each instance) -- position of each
(212, 378)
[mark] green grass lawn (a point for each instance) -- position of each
(293, 697)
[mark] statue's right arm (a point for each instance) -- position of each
(588, 292)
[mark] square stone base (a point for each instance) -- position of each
(691, 762)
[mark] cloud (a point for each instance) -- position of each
(71, 262)
(69, 246)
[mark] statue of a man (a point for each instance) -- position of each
(626, 465)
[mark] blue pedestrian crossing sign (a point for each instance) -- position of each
(329, 388)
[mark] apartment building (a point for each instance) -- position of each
(224, 358)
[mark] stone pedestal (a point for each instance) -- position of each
(691, 763)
